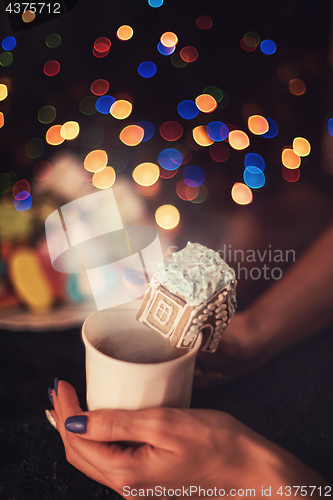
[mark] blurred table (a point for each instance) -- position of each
(290, 402)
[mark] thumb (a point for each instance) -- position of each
(142, 426)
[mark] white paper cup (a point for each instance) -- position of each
(113, 383)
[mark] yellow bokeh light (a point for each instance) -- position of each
(28, 16)
(2, 119)
(70, 130)
(290, 159)
(201, 137)
(146, 174)
(96, 160)
(167, 217)
(125, 32)
(241, 193)
(238, 139)
(169, 39)
(257, 124)
(3, 91)
(131, 135)
(53, 135)
(206, 103)
(105, 178)
(121, 109)
(301, 146)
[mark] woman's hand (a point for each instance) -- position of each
(172, 449)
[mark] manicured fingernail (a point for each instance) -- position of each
(77, 424)
(56, 381)
(49, 391)
(50, 418)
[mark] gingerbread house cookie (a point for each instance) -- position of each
(194, 291)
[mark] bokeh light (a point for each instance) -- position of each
(28, 16)
(171, 131)
(23, 195)
(201, 137)
(147, 69)
(8, 43)
(254, 160)
(238, 139)
(214, 92)
(217, 131)
(204, 22)
(188, 110)
(42, 170)
(102, 45)
(297, 87)
(131, 135)
(254, 177)
(202, 196)
(2, 119)
(70, 130)
(330, 126)
(88, 105)
(155, 3)
(23, 205)
(146, 174)
(177, 61)
(118, 159)
(19, 186)
(167, 174)
(170, 158)
(206, 103)
(273, 129)
(257, 124)
(47, 114)
(34, 148)
(248, 44)
(148, 129)
(189, 54)
(268, 47)
(5, 183)
(99, 87)
(290, 159)
(121, 109)
(104, 179)
(53, 136)
(93, 137)
(185, 192)
(290, 175)
(165, 51)
(124, 32)
(169, 39)
(301, 146)
(3, 91)
(219, 152)
(241, 193)
(104, 103)
(51, 68)
(193, 176)
(96, 160)
(167, 217)
(53, 40)
(6, 58)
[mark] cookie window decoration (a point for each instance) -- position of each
(194, 291)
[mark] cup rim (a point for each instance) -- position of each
(193, 350)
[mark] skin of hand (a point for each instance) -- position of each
(176, 449)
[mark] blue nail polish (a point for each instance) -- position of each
(56, 380)
(49, 391)
(77, 424)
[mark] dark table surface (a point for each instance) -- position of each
(289, 401)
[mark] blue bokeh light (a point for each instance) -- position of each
(193, 176)
(330, 126)
(170, 158)
(155, 3)
(165, 51)
(147, 69)
(148, 129)
(273, 129)
(104, 103)
(22, 205)
(217, 131)
(254, 160)
(8, 43)
(188, 110)
(268, 47)
(254, 177)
